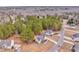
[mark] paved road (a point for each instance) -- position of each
(59, 43)
(62, 39)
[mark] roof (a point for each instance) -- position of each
(76, 37)
(17, 48)
(48, 32)
(6, 43)
(39, 38)
(76, 48)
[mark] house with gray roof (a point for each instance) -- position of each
(40, 39)
(48, 33)
(8, 44)
(75, 48)
(75, 38)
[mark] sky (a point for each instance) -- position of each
(39, 2)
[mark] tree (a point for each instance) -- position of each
(27, 29)
(27, 34)
(1, 32)
(31, 18)
(10, 28)
(57, 24)
(7, 30)
(54, 23)
(47, 23)
(35, 24)
(70, 22)
(37, 27)
(18, 24)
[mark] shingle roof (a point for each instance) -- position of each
(76, 48)
(5, 43)
(48, 32)
(76, 37)
(40, 37)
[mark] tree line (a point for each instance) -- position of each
(29, 27)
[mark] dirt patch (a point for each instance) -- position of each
(32, 47)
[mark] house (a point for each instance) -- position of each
(73, 20)
(8, 44)
(75, 37)
(40, 38)
(48, 33)
(75, 48)
(17, 48)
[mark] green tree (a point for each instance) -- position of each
(31, 18)
(18, 24)
(70, 22)
(35, 24)
(37, 27)
(27, 34)
(10, 28)
(45, 23)
(57, 24)
(1, 32)
(6, 29)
